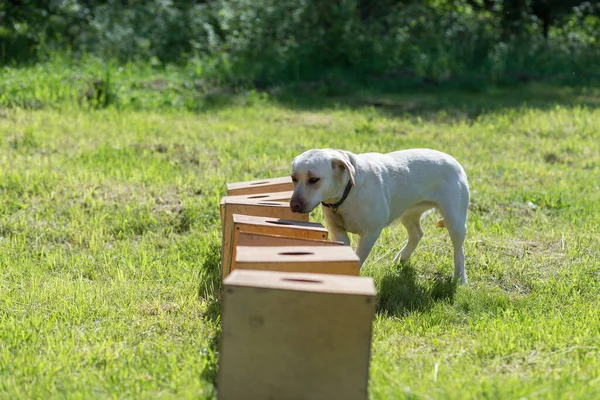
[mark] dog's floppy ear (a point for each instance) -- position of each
(340, 160)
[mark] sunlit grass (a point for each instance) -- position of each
(109, 225)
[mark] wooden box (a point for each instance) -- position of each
(274, 226)
(235, 205)
(336, 260)
(295, 336)
(275, 196)
(260, 186)
(263, 239)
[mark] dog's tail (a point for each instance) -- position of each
(440, 224)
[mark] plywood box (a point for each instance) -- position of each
(274, 226)
(274, 196)
(260, 186)
(336, 260)
(295, 336)
(265, 240)
(231, 205)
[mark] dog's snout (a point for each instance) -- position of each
(296, 205)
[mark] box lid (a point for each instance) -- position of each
(293, 281)
(277, 222)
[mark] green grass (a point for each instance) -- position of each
(109, 235)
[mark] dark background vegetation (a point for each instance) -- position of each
(297, 40)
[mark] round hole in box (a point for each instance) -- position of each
(259, 183)
(279, 222)
(258, 196)
(301, 280)
(295, 253)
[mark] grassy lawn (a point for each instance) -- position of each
(109, 235)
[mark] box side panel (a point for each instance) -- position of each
(283, 344)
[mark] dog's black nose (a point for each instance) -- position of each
(296, 205)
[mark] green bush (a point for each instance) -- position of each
(290, 40)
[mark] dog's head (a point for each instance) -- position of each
(319, 175)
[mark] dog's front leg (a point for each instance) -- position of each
(365, 244)
(341, 236)
(337, 232)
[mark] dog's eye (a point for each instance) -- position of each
(294, 179)
(312, 181)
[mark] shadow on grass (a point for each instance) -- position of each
(399, 292)
(439, 102)
(209, 292)
(405, 93)
(212, 319)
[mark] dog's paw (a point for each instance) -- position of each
(399, 259)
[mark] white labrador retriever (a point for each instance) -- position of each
(364, 193)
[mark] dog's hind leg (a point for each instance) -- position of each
(457, 231)
(412, 222)
(455, 220)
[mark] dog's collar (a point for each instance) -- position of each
(334, 207)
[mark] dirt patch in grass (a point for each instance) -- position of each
(158, 308)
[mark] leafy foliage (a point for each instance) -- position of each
(245, 40)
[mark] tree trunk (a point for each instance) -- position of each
(512, 18)
(546, 25)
